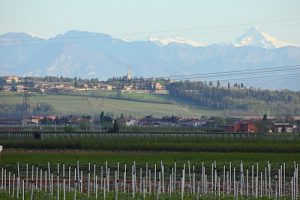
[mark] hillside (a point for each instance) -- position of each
(238, 98)
(186, 99)
(69, 104)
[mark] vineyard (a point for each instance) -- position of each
(149, 165)
(130, 181)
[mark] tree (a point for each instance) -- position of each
(115, 126)
(76, 84)
(220, 120)
(44, 121)
(56, 120)
(154, 87)
(228, 85)
(262, 126)
(265, 117)
(84, 125)
(101, 117)
(218, 84)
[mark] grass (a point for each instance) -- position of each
(9, 158)
(68, 104)
(161, 143)
(156, 98)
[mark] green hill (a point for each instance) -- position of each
(136, 105)
(186, 99)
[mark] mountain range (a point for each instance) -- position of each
(98, 55)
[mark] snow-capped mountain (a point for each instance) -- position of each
(97, 55)
(256, 37)
(174, 40)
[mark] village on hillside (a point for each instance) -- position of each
(129, 84)
(51, 84)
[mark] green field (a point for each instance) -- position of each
(149, 97)
(193, 143)
(144, 149)
(141, 106)
(9, 158)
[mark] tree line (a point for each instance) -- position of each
(216, 97)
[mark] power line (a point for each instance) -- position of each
(274, 72)
(224, 30)
(244, 80)
(235, 72)
(240, 74)
(261, 77)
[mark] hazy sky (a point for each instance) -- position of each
(210, 21)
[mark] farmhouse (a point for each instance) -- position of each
(131, 122)
(105, 87)
(191, 122)
(149, 121)
(282, 127)
(11, 79)
(245, 126)
(37, 119)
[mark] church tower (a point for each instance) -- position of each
(129, 76)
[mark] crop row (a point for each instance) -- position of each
(203, 181)
(179, 144)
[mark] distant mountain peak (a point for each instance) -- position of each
(256, 37)
(174, 40)
(20, 36)
(75, 34)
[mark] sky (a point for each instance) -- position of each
(207, 21)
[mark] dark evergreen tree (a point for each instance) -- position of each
(115, 126)
(101, 117)
(265, 117)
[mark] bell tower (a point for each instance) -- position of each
(129, 76)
